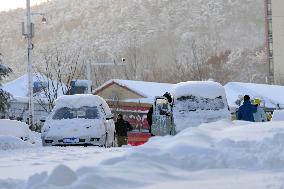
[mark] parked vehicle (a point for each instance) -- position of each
(195, 102)
(278, 115)
(15, 128)
(79, 120)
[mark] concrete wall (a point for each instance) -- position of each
(278, 39)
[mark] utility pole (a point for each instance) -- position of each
(269, 40)
(29, 36)
(88, 69)
(28, 32)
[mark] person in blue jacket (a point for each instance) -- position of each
(246, 110)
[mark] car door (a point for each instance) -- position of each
(109, 125)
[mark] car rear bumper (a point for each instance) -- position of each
(82, 141)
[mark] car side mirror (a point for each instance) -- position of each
(109, 116)
(42, 120)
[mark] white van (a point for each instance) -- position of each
(79, 120)
(197, 102)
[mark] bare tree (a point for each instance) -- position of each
(55, 76)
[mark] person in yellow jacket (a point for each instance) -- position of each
(259, 115)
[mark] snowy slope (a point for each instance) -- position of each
(111, 26)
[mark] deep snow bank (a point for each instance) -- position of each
(11, 143)
(16, 135)
(220, 145)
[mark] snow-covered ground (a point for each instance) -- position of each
(223, 154)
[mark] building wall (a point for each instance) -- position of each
(19, 111)
(117, 92)
(278, 39)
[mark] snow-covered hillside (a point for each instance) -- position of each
(165, 31)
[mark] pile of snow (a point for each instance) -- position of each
(211, 152)
(14, 133)
(14, 128)
(12, 143)
(197, 102)
(278, 115)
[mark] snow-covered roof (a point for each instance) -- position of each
(19, 87)
(82, 83)
(206, 89)
(271, 95)
(146, 89)
(80, 100)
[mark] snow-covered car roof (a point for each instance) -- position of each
(271, 95)
(205, 89)
(79, 100)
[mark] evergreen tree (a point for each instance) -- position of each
(4, 96)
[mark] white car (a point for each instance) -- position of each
(15, 128)
(79, 120)
(278, 115)
(197, 102)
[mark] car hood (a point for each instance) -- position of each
(73, 128)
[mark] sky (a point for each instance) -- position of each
(6, 5)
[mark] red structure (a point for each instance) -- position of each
(136, 114)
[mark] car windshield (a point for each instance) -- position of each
(84, 112)
(193, 103)
(162, 106)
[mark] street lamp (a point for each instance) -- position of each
(88, 69)
(28, 32)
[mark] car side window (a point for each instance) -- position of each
(103, 110)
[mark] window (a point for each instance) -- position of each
(84, 112)
(193, 103)
(162, 106)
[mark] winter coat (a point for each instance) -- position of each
(122, 127)
(246, 111)
(259, 115)
(149, 117)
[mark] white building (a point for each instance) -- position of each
(275, 37)
(18, 88)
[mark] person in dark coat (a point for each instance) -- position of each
(149, 118)
(122, 127)
(246, 110)
(169, 97)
